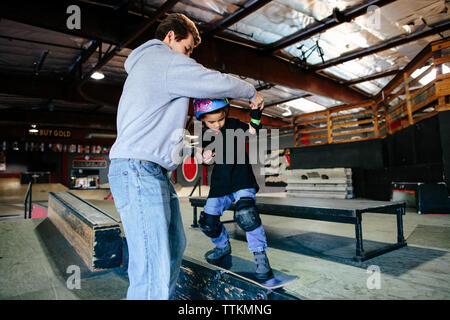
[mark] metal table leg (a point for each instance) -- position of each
(359, 239)
(400, 237)
(195, 224)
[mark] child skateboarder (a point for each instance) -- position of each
(231, 181)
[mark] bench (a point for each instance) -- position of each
(332, 210)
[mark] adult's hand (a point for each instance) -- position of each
(258, 102)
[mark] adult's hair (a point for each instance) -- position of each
(181, 26)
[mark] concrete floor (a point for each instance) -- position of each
(319, 253)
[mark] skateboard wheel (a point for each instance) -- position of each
(261, 296)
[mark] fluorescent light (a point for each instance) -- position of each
(191, 137)
(305, 105)
(97, 75)
(101, 135)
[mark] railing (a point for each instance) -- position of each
(399, 105)
(356, 122)
(27, 203)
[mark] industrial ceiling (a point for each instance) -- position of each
(302, 56)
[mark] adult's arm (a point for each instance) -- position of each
(187, 78)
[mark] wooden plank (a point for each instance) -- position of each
(351, 123)
(439, 45)
(425, 116)
(423, 104)
(94, 235)
(439, 61)
(346, 133)
(408, 101)
(317, 136)
(375, 123)
(329, 129)
(337, 109)
(309, 122)
(388, 118)
(349, 115)
(443, 87)
(443, 76)
(364, 104)
(443, 107)
(352, 140)
(309, 130)
(311, 114)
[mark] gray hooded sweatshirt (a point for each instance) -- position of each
(152, 110)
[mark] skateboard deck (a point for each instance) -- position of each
(244, 269)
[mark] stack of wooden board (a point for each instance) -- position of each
(320, 183)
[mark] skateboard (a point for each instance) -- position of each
(244, 269)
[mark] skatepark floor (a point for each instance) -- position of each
(35, 259)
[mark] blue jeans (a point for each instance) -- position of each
(151, 219)
(256, 239)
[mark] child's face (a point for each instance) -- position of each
(214, 121)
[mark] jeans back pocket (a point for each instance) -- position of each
(118, 178)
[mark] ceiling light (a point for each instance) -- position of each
(97, 75)
(33, 129)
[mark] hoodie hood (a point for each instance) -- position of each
(137, 53)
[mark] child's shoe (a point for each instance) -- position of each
(217, 254)
(263, 269)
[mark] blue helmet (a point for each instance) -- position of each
(203, 106)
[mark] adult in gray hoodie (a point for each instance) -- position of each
(150, 121)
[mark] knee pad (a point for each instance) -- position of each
(246, 215)
(210, 224)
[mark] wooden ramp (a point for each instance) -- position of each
(94, 234)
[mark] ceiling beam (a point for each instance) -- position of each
(333, 20)
(371, 77)
(385, 45)
(248, 8)
(232, 58)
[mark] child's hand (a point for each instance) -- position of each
(208, 156)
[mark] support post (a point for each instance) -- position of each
(359, 239)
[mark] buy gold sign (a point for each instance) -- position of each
(53, 133)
